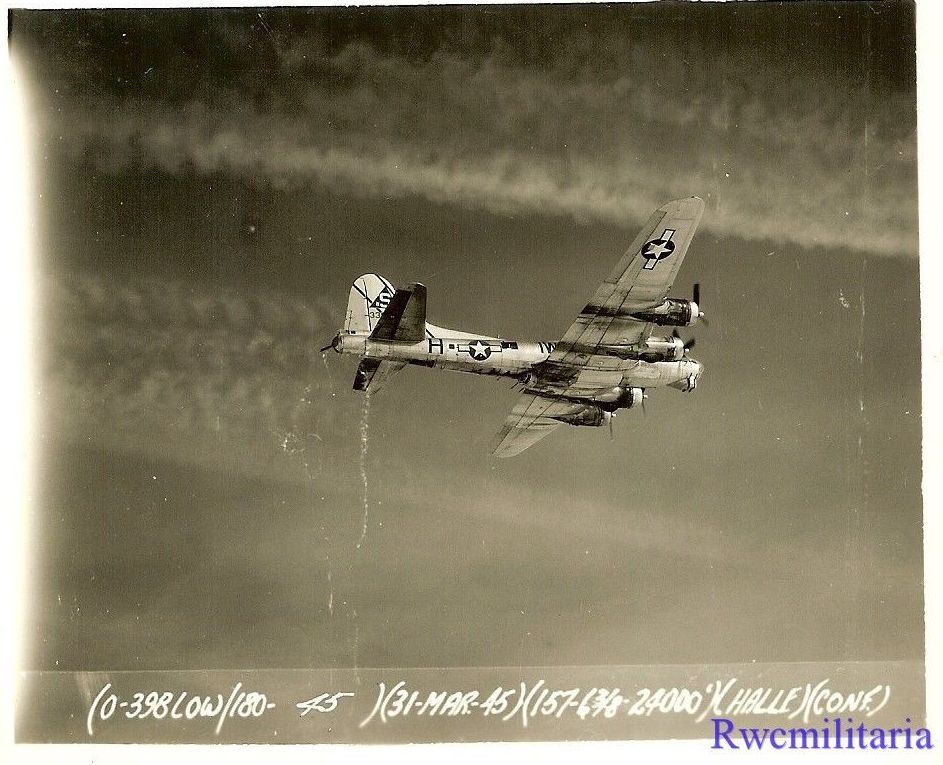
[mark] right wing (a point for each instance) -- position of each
(530, 420)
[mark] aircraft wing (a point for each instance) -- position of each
(530, 420)
(640, 280)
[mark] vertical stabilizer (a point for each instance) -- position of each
(370, 294)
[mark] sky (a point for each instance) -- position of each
(214, 495)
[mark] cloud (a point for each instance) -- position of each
(756, 136)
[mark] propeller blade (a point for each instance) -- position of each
(687, 345)
(696, 297)
(326, 347)
(611, 435)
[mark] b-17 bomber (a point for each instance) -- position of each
(606, 361)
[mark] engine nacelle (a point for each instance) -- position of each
(596, 415)
(590, 416)
(662, 349)
(671, 313)
(618, 397)
(630, 397)
(691, 372)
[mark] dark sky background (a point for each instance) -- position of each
(212, 181)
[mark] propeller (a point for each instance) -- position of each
(644, 410)
(687, 345)
(696, 297)
(612, 416)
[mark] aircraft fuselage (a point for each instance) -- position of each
(483, 355)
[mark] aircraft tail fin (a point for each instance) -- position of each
(370, 294)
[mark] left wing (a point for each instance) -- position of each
(641, 280)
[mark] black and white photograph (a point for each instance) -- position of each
(474, 373)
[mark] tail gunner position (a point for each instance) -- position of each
(605, 361)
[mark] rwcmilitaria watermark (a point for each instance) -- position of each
(835, 733)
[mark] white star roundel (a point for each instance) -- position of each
(479, 350)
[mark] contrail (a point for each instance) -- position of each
(482, 132)
(150, 362)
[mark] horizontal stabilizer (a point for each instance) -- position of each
(373, 373)
(404, 319)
